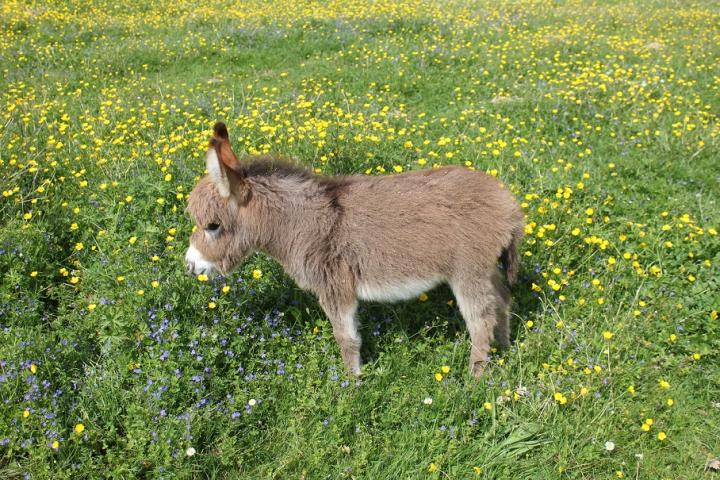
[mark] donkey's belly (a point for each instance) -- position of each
(396, 290)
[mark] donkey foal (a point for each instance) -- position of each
(363, 238)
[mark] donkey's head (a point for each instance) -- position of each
(224, 226)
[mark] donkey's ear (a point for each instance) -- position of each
(217, 171)
(221, 142)
(223, 166)
(220, 131)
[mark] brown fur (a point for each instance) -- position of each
(360, 237)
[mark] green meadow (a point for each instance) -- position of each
(601, 117)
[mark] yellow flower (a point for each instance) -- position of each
(487, 406)
(226, 289)
(445, 369)
(33, 274)
(423, 297)
(79, 428)
(33, 368)
(257, 274)
(477, 470)
(661, 436)
(202, 277)
(79, 246)
(26, 413)
(664, 384)
(55, 445)
(432, 468)
(155, 284)
(92, 307)
(212, 305)
(607, 335)
(438, 377)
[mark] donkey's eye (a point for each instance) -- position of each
(212, 227)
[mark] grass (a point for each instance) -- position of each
(600, 116)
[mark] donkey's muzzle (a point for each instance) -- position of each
(196, 263)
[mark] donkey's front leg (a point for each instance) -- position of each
(342, 317)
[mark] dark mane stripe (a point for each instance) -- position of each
(267, 166)
(270, 166)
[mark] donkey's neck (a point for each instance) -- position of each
(296, 219)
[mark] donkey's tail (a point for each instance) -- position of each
(509, 256)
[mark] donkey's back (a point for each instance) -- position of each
(422, 228)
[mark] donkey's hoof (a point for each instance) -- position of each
(477, 368)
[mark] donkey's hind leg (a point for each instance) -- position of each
(478, 302)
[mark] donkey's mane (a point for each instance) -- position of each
(265, 166)
(269, 166)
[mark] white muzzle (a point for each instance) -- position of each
(196, 263)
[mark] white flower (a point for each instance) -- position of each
(609, 446)
(427, 401)
(190, 451)
(252, 402)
